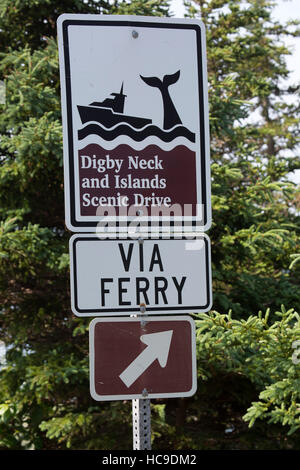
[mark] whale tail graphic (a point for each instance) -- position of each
(171, 117)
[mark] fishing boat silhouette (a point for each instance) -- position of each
(110, 112)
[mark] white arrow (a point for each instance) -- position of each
(158, 348)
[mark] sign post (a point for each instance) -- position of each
(137, 164)
(141, 424)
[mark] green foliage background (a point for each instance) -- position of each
(246, 345)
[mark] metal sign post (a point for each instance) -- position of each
(141, 424)
(141, 416)
(137, 162)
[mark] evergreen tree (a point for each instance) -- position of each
(254, 119)
(44, 385)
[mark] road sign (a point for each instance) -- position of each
(117, 277)
(132, 358)
(135, 122)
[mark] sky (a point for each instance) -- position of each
(284, 11)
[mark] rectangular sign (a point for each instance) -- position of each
(117, 277)
(142, 358)
(135, 122)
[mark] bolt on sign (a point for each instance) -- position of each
(116, 277)
(135, 122)
(134, 358)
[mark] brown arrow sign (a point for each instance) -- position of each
(142, 357)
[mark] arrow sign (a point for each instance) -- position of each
(158, 346)
(130, 357)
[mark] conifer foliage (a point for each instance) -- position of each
(247, 353)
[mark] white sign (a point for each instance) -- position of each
(135, 122)
(117, 277)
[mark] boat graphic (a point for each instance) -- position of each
(110, 112)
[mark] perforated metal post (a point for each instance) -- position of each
(141, 413)
(141, 424)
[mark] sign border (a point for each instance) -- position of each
(63, 22)
(127, 311)
(97, 397)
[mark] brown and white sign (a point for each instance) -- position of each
(135, 358)
(135, 121)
